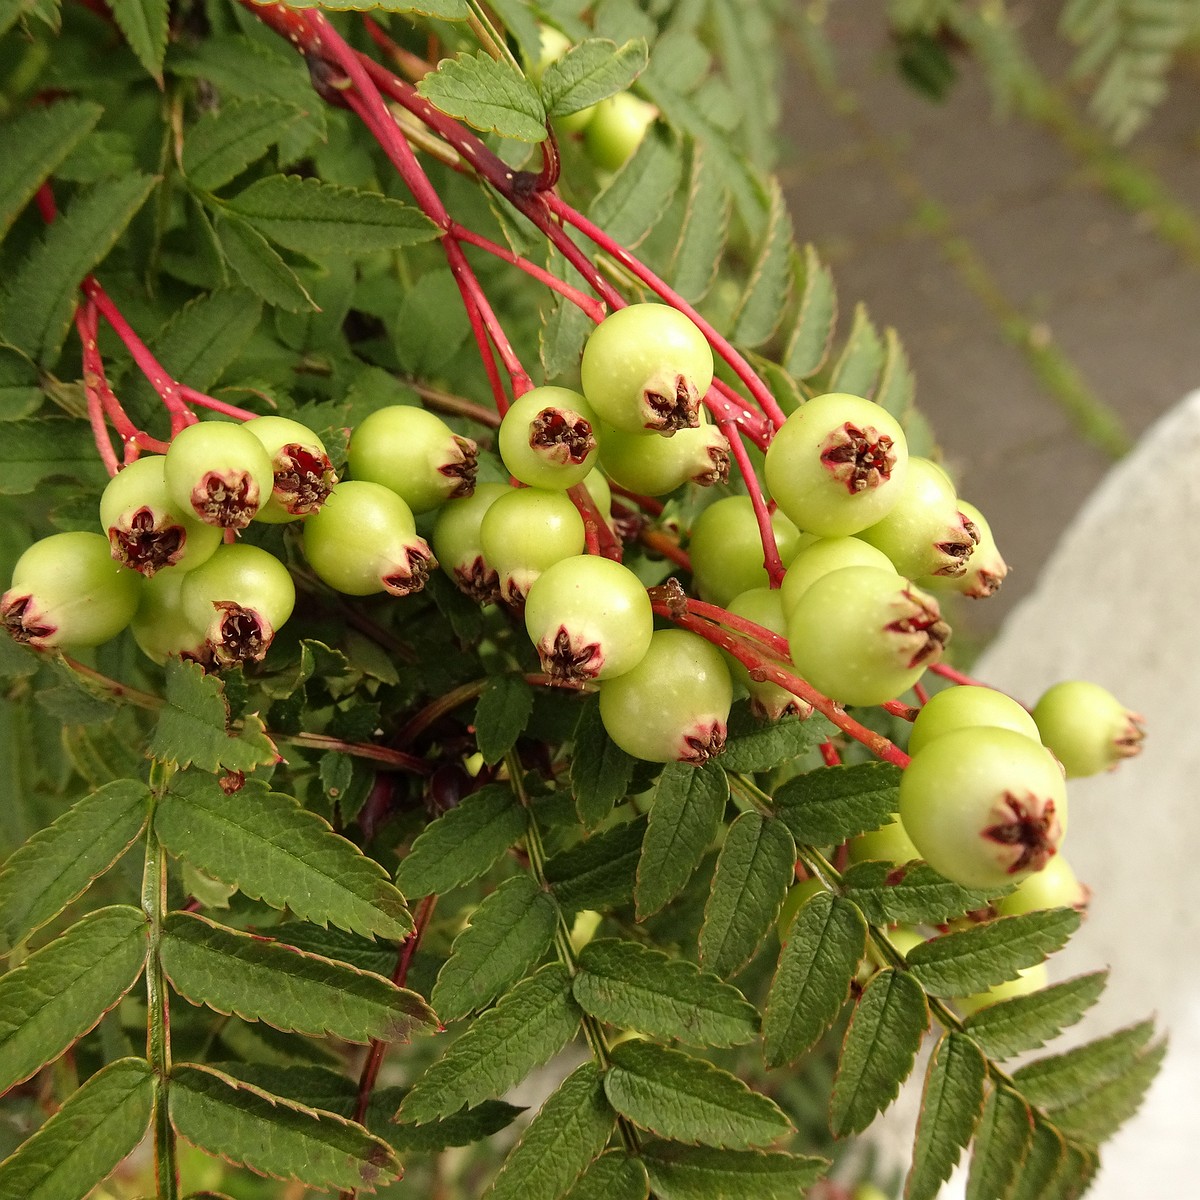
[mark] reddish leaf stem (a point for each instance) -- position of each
(205, 401)
(766, 531)
(830, 755)
(600, 538)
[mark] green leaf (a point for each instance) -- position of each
(1003, 1141)
(697, 254)
(636, 197)
(599, 872)
(488, 95)
(32, 144)
(702, 1173)
(600, 770)
(261, 980)
(1025, 1022)
(827, 806)
(861, 359)
(1046, 1152)
(501, 715)
(914, 894)
(258, 265)
(826, 942)
(613, 1176)
(636, 987)
(43, 448)
(527, 1028)
(812, 331)
(207, 335)
(225, 141)
(689, 1100)
(1099, 1115)
(762, 305)
(950, 1110)
(62, 990)
(144, 24)
(245, 1125)
(590, 72)
(973, 960)
(881, 1044)
(1059, 1080)
(569, 1131)
(41, 293)
(896, 384)
(565, 327)
(324, 218)
(193, 725)
(20, 392)
(688, 805)
(756, 745)
(81, 1144)
(274, 850)
(462, 843)
(60, 861)
(756, 866)
(508, 933)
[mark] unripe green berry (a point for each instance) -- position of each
(726, 550)
(1087, 727)
(986, 568)
(1054, 886)
(964, 706)
(458, 547)
(1031, 979)
(526, 531)
(764, 606)
(890, 843)
(616, 129)
(302, 473)
(220, 472)
(547, 438)
(652, 465)
(161, 627)
(823, 556)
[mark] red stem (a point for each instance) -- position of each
(948, 672)
(600, 538)
(230, 410)
(712, 612)
(766, 531)
(830, 755)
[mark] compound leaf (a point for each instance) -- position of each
(81, 1144)
(244, 1124)
(501, 715)
(705, 230)
(274, 850)
(59, 862)
(756, 866)
(1046, 1153)
(259, 266)
(600, 770)
(1005, 1135)
(636, 987)
(1099, 1115)
(766, 295)
(689, 1100)
(144, 24)
(1025, 1022)
(44, 447)
(824, 946)
(701, 1173)
(827, 806)
(225, 141)
(913, 894)
(488, 95)
(262, 980)
(600, 871)
(638, 195)
(590, 72)
(527, 1027)
(613, 1176)
(812, 331)
(62, 990)
(861, 360)
(881, 1045)
(756, 745)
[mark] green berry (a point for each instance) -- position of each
(963, 706)
(890, 843)
(1054, 886)
(220, 472)
(524, 532)
(652, 465)
(764, 606)
(616, 129)
(458, 547)
(547, 438)
(302, 473)
(1031, 979)
(986, 568)
(823, 556)
(161, 627)
(1087, 727)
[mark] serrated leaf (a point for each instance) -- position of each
(60, 861)
(915, 894)
(1005, 1135)
(527, 1027)
(1058, 1080)
(688, 805)
(598, 873)
(1046, 1152)
(600, 770)
(462, 843)
(689, 1100)
(697, 254)
(508, 933)
(569, 1131)
(245, 1125)
(82, 1143)
(1099, 1115)
(613, 1176)
(950, 1109)
(225, 141)
(206, 335)
(829, 805)
(973, 960)
(702, 1173)
(42, 448)
(762, 304)
(193, 728)
(62, 990)
(590, 72)
(40, 296)
(488, 95)
(858, 366)
(881, 1045)
(636, 987)
(826, 942)
(324, 218)
(258, 265)
(565, 327)
(274, 850)
(501, 715)
(636, 197)
(756, 745)
(144, 24)
(756, 865)
(262, 980)
(812, 330)
(32, 144)
(896, 384)
(1025, 1022)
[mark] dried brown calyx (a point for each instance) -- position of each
(303, 479)
(705, 740)
(671, 404)
(147, 543)
(226, 498)
(1028, 824)
(478, 581)
(955, 549)
(561, 436)
(859, 458)
(238, 635)
(461, 466)
(921, 633)
(22, 621)
(409, 569)
(570, 657)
